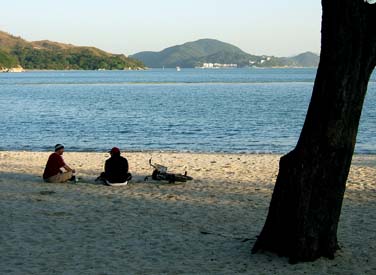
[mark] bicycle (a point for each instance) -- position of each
(160, 174)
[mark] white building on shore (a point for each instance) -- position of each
(217, 66)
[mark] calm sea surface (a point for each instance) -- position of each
(239, 110)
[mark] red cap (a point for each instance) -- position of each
(115, 150)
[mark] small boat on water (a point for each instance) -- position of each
(178, 68)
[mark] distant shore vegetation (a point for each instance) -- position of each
(47, 55)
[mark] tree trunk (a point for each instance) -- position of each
(307, 199)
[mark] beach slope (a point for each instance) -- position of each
(205, 226)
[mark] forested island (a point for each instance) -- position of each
(211, 53)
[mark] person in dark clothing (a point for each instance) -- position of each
(115, 169)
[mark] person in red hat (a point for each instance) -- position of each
(115, 169)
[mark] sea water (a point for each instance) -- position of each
(218, 110)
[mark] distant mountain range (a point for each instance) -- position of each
(48, 55)
(211, 52)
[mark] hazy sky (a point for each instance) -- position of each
(273, 27)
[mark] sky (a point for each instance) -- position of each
(274, 27)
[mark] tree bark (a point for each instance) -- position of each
(306, 203)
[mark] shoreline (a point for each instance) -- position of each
(147, 68)
(205, 226)
(168, 152)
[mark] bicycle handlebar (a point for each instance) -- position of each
(151, 164)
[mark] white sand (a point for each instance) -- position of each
(148, 228)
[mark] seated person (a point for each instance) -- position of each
(115, 169)
(53, 172)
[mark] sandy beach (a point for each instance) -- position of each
(205, 226)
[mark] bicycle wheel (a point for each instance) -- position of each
(182, 178)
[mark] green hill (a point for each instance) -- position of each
(202, 51)
(193, 54)
(303, 60)
(58, 56)
(307, 59)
